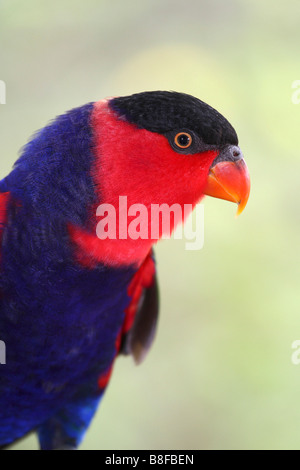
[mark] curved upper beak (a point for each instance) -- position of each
(229, 178)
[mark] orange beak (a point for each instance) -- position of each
(229, 180)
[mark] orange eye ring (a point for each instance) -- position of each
(183, 140)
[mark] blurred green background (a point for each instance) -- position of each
(220, 374)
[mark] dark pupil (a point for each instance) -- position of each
(183, 140)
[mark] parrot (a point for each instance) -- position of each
(71, 302)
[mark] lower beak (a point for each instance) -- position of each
(229, 180)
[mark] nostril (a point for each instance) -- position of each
(229, 153)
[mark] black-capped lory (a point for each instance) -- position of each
(74, 294)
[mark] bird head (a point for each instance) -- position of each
(163, 148)
(168, 147)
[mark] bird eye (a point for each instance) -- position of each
(183, 140)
